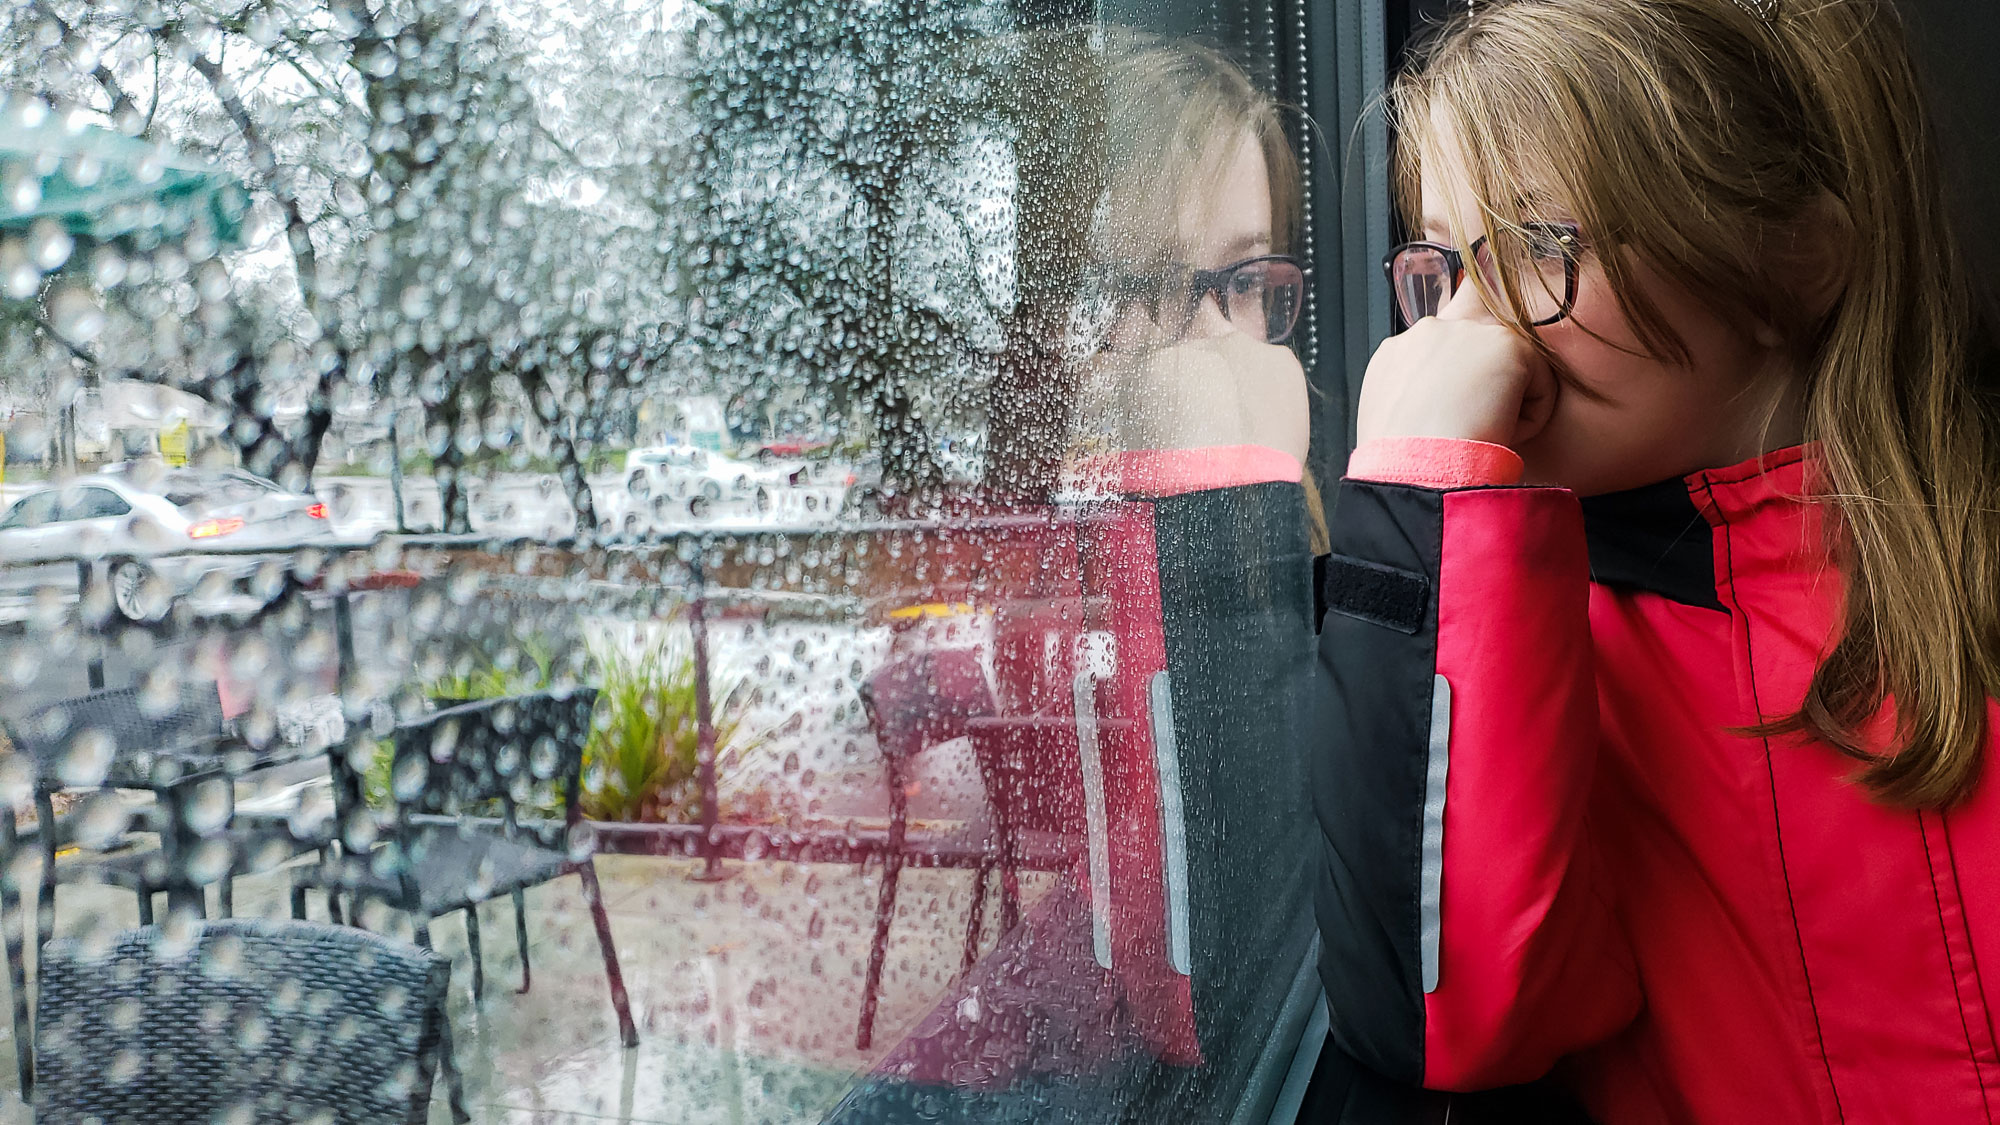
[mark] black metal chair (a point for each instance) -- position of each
(446, 851)
(914, 702)
(250, 1020)
(135, 728)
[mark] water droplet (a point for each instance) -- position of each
(100, 822)
(18, 276)
(85, 761)
(21, 189)
(49, 245)
(75, 314)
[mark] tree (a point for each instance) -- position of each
(418, 241)
(843, 214)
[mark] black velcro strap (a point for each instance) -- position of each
(1384, 595)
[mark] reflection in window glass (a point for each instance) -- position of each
(741, 560)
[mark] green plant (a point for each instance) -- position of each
(481, 677)
(641, 760)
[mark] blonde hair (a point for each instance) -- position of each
(1175, 112)
(1700, 138)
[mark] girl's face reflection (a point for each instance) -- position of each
(1217, 228)
(1212, 383)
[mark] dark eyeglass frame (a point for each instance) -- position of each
(1202, 283)
(1568, 234)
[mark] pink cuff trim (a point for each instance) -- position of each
(1170, 472)
(1434, 462)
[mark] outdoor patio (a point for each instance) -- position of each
(746, 991)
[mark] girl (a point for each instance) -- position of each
(1676, 791)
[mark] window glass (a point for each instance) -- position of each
(33, 511)
(213, 490)
(93, 503)
(744, 561)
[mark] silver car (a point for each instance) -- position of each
(148, 532)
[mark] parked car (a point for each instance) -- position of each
(702, 484)
(148, 531)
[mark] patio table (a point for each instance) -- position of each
(180, 775)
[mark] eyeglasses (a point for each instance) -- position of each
(1542, 262)
(1259, 296)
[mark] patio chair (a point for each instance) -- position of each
(121, 714)
(251, 1020)
(445, 853)
(913, 703)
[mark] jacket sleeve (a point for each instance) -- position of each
(1469, 939)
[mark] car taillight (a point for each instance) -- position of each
(850, 478)
(209, 529)
(316, 511)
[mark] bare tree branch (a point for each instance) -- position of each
(121, 102)
(264, 159)
(202, 390)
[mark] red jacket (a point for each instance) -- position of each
(1546, 852)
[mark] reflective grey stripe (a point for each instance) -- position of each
(1096, 820)
(1430, 894)
(1173, 826)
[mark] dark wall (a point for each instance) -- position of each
(1956, 43)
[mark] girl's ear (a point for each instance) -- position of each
(1821, 255)
(1810, 260)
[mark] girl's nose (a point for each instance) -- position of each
(1465, 303)
(1208, 320)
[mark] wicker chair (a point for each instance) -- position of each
(253, 1020)
(137, 734)
(446, 853)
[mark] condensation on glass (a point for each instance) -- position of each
(655, 561)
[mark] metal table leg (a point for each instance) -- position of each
(178, 841)
(14, 923)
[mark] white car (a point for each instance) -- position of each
(679, 483)
(147, 532)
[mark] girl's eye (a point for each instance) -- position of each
(1553, 243)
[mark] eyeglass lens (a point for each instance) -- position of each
(1423, 277)
(1262, 298)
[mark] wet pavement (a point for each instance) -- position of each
(746, 991)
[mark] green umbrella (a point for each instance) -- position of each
(103, 186)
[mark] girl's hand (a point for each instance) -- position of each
(1457, 377)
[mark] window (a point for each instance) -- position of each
(213, 490)
(93, 503)
(34, 511)
(806, 585)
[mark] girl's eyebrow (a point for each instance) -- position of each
(1435, 227)
(1246, 246)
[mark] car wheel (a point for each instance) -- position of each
(763, 499)
(698, 507)
(137, 593)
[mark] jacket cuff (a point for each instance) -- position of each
(1434, 462)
